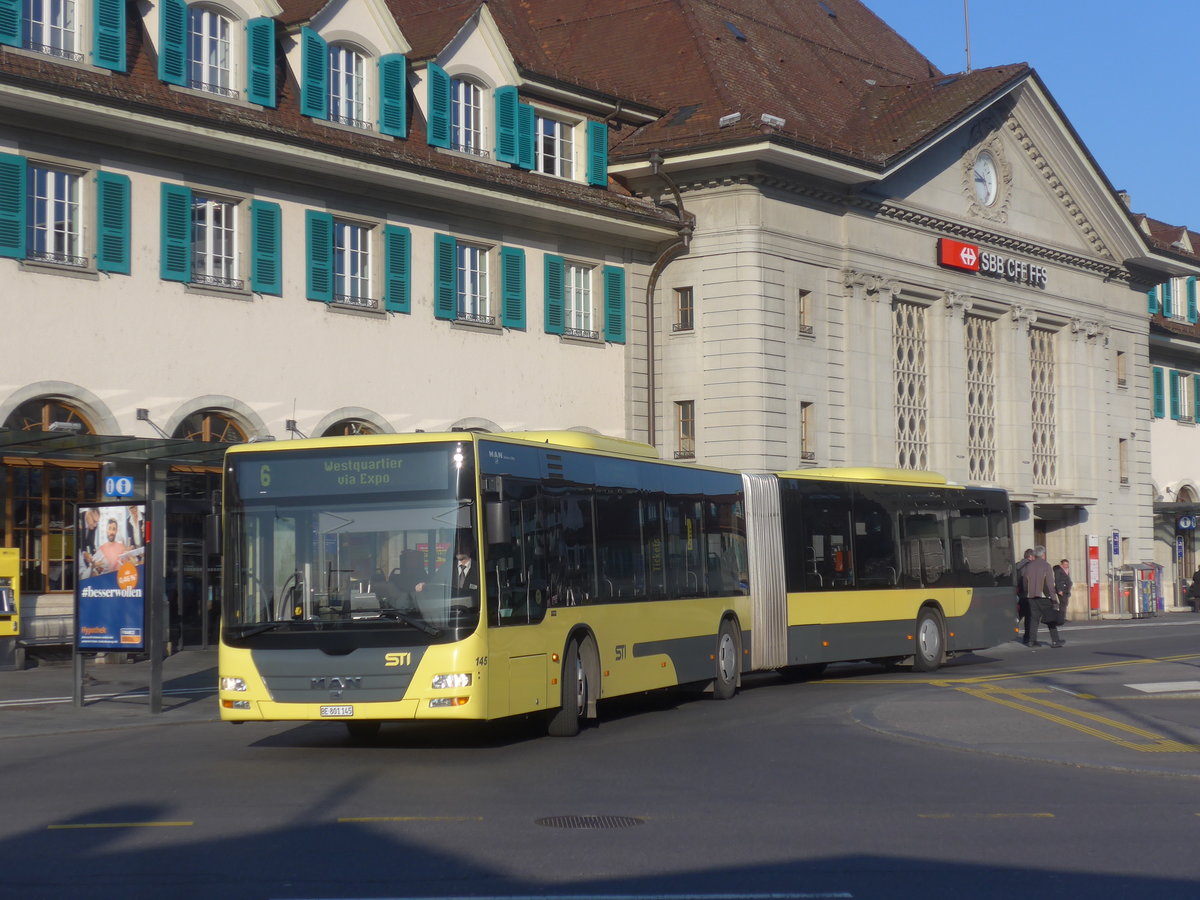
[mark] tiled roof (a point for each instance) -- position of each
(1172, 238)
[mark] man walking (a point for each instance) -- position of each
(1062, 588)
(1037, 578)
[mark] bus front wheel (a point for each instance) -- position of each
(930, 651)
(568, 718)
(726, 662)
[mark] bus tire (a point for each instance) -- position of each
(363, 732)
(568, 718)
(726, 662)
(930, 650)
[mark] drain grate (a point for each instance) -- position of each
(589, 822)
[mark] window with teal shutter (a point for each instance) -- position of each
(319, 236)
(1173, 384)
(397, 264)
(266, 247)
(260, 61)
(614, 304)
(1152, 301)
(172, 41)
(526, 136)
(554, 287)
(1168, 307)
(438, 131)
(12, 205)
(512, 288)
(445, 304)
(175, 263)
(113, 194)
(108, 23)
(505, 101)
(10, 22)
(1157, 376)
(1191, 299)
(314, 78)
(393, 95)
(597, 133)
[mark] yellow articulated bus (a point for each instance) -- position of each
(469, 576)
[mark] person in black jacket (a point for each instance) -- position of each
(1193, 594)
(1062, 588)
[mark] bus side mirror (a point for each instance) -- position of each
(495, 522)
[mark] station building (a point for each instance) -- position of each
(761, 241)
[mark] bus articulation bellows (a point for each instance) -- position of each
(468, 576)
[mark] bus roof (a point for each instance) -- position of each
(872, 474)
(576, 440)
(584, 440)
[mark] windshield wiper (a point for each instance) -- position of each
(419, 624)
(251, 630)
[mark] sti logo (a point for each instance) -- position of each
(957, 255)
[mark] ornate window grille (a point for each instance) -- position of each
(910, 345)
(1042, 407)
(981, 398)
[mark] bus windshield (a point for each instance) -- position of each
(374, 540)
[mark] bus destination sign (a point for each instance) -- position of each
(297, 475)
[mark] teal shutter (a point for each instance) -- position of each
(445, 293)
(176, 261)
(314, 77)
(597, 173)
(397, 263)
(614, 304)
(266, 247)
(1152, 301)
(319, 229)
(113, 195)
(505, 101)
(393, 95)
(172, 41)
(512, 287)
(10, 22)
(1168, 305)
(260, 61)
(108, 24)
(1159, 404)
(526, 136)
(555, 286)
(12, 205)
(438, 132)
(1173, 384)
(1191, 299)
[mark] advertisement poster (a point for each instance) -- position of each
(110, 592)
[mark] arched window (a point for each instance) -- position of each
(349, 426)
(211, 426)
(347, 87)
(210, 66)
(466, 117)
(39, 516)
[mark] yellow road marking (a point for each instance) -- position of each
(120, 825)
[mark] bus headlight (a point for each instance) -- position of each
(443, 702)
(233, 684)
(457, 680)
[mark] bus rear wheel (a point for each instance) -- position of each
(726, 662)
(930, 651)
(568, 718)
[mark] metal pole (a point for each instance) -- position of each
(967, 30)
(156, 503)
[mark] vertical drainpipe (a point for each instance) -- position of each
(676, 248)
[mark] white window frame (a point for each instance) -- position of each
(472, 283)
(211, 51)
(57, 18)
(1187, 399)
(348, 96)
(352, 258)
(54, 215)
(554, 146)
(578, 314)
(468, 124)
(216, 246)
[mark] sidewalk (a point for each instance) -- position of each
(40, 700)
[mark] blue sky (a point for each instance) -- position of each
(1124, 72)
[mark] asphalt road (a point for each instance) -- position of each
(1072, 772)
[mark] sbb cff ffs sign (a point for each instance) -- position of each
(957, 255)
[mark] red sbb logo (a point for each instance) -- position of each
(957, 255)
